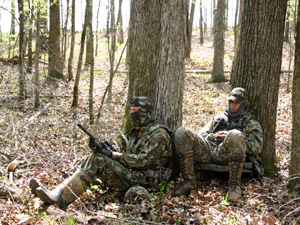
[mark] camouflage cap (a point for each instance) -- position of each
(237, 95)
(143, 102)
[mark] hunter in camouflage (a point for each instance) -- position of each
(227, 139)
(143, 165)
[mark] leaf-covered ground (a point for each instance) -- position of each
(49, 146)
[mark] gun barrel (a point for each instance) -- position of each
(85, 130)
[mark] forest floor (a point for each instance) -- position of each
(49, 146)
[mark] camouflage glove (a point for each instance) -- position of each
(101, 147)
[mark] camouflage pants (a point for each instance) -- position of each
(205, 151)
(112, 173)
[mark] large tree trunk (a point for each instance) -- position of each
(71, 57)
(294, 168)
(22, 93)
(219, 40)
(258, 65)
(55, 61)
(171, 69)
(143, 47)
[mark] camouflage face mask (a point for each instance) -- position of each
(144, 115)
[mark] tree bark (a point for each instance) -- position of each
(29, 68)
(171, 68)
(71, 57)
(79, 64)
(236, 35)
(201, 24)
(97, 28)
(111, 48)
(190, 16)
(55, 61)
(294, 168)
(143, 48)
(258, 65)
(22, 90)
(12, 28)
(37, 56)
(88, 52)
(120, 35)
(219, 40)
(91, 90)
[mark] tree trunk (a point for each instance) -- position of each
(65, 33)
(22, 91)
(79, 64)
(201, 24)
(12, 29)
(97, 28)
(111, 48)
(294, 169)
(70, 64)
(55, 61)
(91, 90)
(236, 35)
(287, 27)
(120, 35)
(171, 68)
(219, 36)
(88, 52)
(37, 56)
(43, 26)
(143, 47)
(258, 65)
(190, 15)
(29, 68)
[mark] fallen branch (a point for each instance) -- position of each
(40, 113)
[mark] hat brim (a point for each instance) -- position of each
(234, 98)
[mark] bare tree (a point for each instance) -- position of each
(37, 56)
(79, 64)
(190, 15)
(97, 27)
(71, 57)
(22, 90)
(201, 24)
(219, 40)
(120, 35)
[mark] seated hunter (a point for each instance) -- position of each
(143, 165)
(227, 139)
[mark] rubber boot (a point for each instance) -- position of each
(66, 192)
(235, 173)
(187, 170)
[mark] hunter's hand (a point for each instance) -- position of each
(92, 143)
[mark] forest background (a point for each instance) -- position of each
(45, 142)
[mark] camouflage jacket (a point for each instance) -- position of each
(149, 148)
(246, 124)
